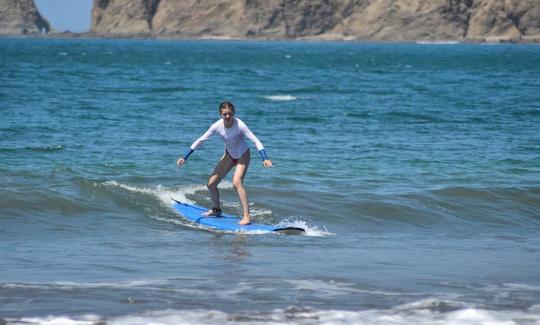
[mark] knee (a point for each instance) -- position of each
(212, 184)
(237, 182)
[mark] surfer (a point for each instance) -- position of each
(233, 132)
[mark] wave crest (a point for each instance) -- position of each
(280, 98)
(420, 313)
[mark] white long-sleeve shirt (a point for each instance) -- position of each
(234, 137)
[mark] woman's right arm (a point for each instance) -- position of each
(197, 144)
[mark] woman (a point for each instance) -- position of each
(233, 132)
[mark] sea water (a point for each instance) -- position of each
(415, 169)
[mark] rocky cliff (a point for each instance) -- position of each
(21, 17)
(380, 20)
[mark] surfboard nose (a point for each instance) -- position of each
(290, 230)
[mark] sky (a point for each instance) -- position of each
(72, 15)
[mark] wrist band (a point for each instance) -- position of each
(262, 152)
(188, 153)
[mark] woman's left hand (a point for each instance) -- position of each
(268, 163)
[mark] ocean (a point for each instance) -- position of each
(415, 169)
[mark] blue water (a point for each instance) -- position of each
(415, 169)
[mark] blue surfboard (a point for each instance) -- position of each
(227, 222)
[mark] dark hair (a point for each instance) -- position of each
(225, 105)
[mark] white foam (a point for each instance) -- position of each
(518, 286)
(142, 284)
(312, 231)
(280, 98)
(437, 42)
(139, 284)
(218, 38)
(255, 212)
(166, 194)
(174, 317)
(465, 316)
(430, 304)
(535, 309)
(334, 288)
(173, 221)
(55, 320)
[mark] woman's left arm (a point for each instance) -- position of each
(247, 132)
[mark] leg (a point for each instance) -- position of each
(223, 167)
(238, 182)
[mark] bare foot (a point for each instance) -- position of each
(212, 212)
(244, 221)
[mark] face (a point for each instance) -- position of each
(227, 114)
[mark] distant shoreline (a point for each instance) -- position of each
(89, 35)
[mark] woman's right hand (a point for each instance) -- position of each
(180, 161)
